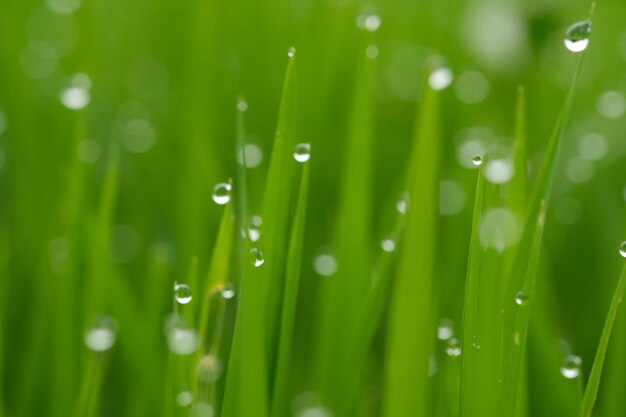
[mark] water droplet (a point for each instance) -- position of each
(577, 36)
(499, 228)
(228, 291)
(184, 398)
(403, 203)
(209, 369)
(388, 244)
(75, 98)
(477, 160)
(101, 336)
(369, 21)
(611, 104)
(221, 193)
(252, 153)
(302, 153)
(325, 264)
(256, 257)
(440, 78)
(475, 343)
(291, 52)
(180, 339)
(454, 347)
(499, 171)
(570, 368)
(622, 249)
(182, 293)
(242, 105)
(445, 329)
(371, 51)
(254, 234)
(521, 298)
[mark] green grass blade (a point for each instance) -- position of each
(593, 384)
(250, 364)
(411, 330)
(469, 368)
(280, 391)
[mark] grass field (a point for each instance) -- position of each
(307, 208)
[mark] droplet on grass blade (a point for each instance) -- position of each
(454, 347)
(252, 153)
(291, 52)
(242, 105)
(570, 368)
(302, 152)
(388, 244)
(622, 249)
(445, 329)
(577, 36)
(228, 291)
(256, 257)
(75, 98)
(209, 369)
(477, 160)
(403, 203)
(221, 193)
(325, 264)
(184, 398)
(521, 298)
(440, 78)
(182, 293)
(369, 21)
(181, 340)
(101, 336)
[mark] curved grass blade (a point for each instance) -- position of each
(411, 330)
(290, 297)
(593, 384)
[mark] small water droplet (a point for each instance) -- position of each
(372, 51)
(477, 160)
(475, 342)
(182, 293)
(325, 264)
(256, 257)
(521, 298)
(101, 336)
(180, 339)
(570, 368)
(388, 244)
(454, 347)
(302, 153)
(252, 154)
(209, 369)
(369, 21)
(221, 193)
(440, 78)
(184, 398)
(445, 329)
(228, 291)
(242, 105)
(291, 52)
(403, 203)
(577, 36)
(75, 98)
(622, 249)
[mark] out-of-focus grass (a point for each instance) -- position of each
(103, 208)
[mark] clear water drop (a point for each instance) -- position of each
(521, 298)
(256, 257)
(445, 329)
(325, 264)
(254, 234)
(242, 105)
(477, 160)
(622, 249)
(182, 293)
(181, 340)
(302, 153)
(75, 98)
(454, 347)
(440, 78)
(291, 52)
(570, 368)
(184, 398)
(372, 51)
(369, 21)
(388, 244)
(101, 336)
(228, 291)
(221, 193)
(577, 36)
(403, 203)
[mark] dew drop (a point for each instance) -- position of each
(75, 98)
(302, 153)
(182, 293)
(445, 330)
(372, 51)
(325, 264)
(101, 336)
(388, 244)
(291, 52)
(570, 368)
(454, 347)
(521, 298)
(369, 21)
(256, 257)
(242, 105)
(209, 369)
(221, 193)
(577, 36)
(440, 78)
(403, 203)
(622, 249)
(180, 339)
(228, 291)
(477, 160)
(184, 398)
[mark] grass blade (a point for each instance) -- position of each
(411, 332)
(593, 384)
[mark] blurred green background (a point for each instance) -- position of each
(159, 95)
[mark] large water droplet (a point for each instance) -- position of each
(221, 193)
(75, 98)
(577, 36)
(622, 249)
(184, 398)
(521, 298)
(182, 293)
(570, 368)
(440, 78)
(256, 257)
(101, 336)
(228, 291)
(302, 153)
(291, 52)
(477, 160)
(445, 330)
(454, 347)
